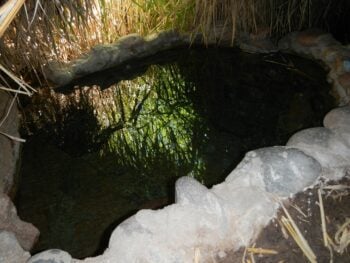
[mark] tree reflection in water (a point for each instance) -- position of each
(160, 128)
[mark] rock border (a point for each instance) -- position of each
(103, 57)
(322, 47)
(204, 223)
(134, 46)
(312, 43)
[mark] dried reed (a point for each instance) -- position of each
(63, 30)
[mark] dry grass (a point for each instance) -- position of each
(197, 255)
(279, 16)
(294, 231)
(261, 251)
(7, 12)
(63, 30)
(341, 240)
(23, 88)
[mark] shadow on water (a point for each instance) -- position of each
(192, 112)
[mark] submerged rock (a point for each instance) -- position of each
(10, 249)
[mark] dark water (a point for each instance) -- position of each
(191, 112)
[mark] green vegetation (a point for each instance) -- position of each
(161, 128)
(146, 122)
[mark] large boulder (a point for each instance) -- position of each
(278, 170)
(329, 148)
(253, 190)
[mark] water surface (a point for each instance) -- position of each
(184, 112)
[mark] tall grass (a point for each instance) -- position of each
(63, 30)
(280, 16)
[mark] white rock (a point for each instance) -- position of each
(206, 222)
(327, 147)
(10, 249)
(277, 170)
(247, 210)
(201, 222)
(252, 190)
(338, 119)
(188, 191)
(51, 256)
(172, 233)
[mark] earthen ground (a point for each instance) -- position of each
(337, 210)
